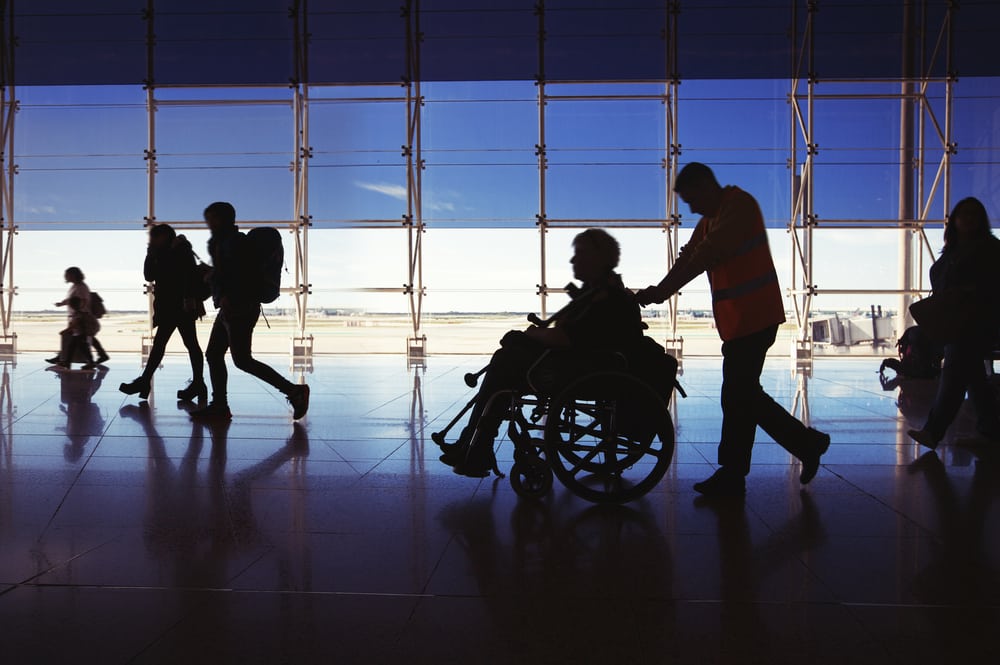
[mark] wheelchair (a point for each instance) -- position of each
(599, 425)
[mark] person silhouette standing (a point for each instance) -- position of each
(730, 244)
(232, 278)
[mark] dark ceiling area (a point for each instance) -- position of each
(256, 42)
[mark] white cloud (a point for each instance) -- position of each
(438, 206)
(398, 192)
(38, 210)
(395, 191)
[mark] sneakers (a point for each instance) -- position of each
(722, 483)
(299, 399)
(924, 438)
(214, 411)
(810, 463)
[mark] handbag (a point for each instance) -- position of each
(946, 316)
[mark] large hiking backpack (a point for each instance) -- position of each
(268, 258)
(919, 355)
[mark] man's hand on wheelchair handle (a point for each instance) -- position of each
(651, 294)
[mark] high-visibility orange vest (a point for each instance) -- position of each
(746, 297)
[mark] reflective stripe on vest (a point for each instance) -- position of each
(744, 288)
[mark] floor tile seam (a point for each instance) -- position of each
(229, 590)
(28, 581)
(30, 411)
(920, 528)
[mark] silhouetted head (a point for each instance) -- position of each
(968, 221)
(595, 255)
(220, 216)
(73, 275)
(161, 235)
(697, 186)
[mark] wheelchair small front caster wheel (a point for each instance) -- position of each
(531, 480)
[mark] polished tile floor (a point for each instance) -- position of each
(130, 535)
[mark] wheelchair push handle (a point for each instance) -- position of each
(574, 292)
(472, 378)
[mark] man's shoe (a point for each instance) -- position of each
(924, 438)
(102, 359)
(55, 360)
(722, 483)
(810, 463)
(299, 399)
(214, 411)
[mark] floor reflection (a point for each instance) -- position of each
(84, 419)
(136, 535)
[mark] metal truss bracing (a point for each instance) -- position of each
(916, 154)
(670, 223)
(8, 169)
(413, 155)
(926, 150)
(299, 221)
(302, 344)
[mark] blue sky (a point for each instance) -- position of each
(79, 152)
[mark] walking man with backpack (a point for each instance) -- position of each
(239, 285)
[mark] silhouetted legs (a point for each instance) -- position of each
(963, 371)
(190, 338)
(745, 405)
(233, 332)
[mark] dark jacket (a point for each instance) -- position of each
(607, 318)
(231, 274)
(974, 270)
(172, 272)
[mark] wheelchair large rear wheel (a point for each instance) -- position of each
(608, 437)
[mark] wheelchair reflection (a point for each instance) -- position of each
(598, 550)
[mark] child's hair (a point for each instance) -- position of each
(74, 274)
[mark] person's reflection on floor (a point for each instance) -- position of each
(240, 491)
(743, 634)
(84, 419)
(186, 518)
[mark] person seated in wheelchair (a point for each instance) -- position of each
(603, 316)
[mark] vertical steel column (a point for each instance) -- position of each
(674, 344)
(149, 156)
(906, 165)
(950, 148)
(8, 169)
(803, 217)
(541, 219)
(302, 344)
(920, 246)
(416, 345)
